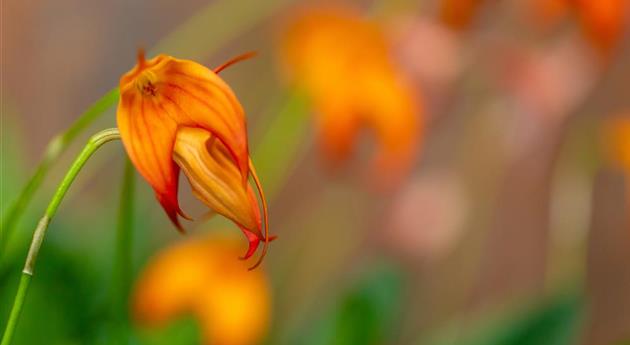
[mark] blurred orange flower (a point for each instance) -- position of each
(201, 277)
(616, 136)
(459, 14)
(178, 111)
(343, 62)
(602, 21)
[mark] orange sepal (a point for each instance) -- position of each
(148, 138)
(234, 60)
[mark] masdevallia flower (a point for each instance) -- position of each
(344, 64)
(199, 277)
(176, 114)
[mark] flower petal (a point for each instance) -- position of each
(148, 137)
(195, 96)
(215, 178)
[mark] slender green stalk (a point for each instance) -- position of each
(124, 241)
(54, 149)
(93, 144)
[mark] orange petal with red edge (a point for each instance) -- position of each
(148, 137)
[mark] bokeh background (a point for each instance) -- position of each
(511, 228)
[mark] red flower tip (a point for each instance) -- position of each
(253, 243)
(172, 209)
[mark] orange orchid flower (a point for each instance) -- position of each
(343, 63)
(200, 277)
(176, 114)
(602, 21)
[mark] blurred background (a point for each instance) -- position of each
(509, 225)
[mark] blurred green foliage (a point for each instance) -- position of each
(12, 169)
(65, 304)
(180, 332)
(366, 314)
(556, 321)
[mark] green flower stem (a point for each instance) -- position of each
(93, 144)
(124, 236)
(282, 141)
(54, 149)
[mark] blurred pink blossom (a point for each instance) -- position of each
(429, 53)
(540, 88)
(548, 83)
(427, 217)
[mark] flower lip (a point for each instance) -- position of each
(216, 181)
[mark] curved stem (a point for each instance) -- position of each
(55, 148)
(93, 144)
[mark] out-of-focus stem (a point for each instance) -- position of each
(54, 149)
(278, 148)
(124, 242)
(93, 144)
